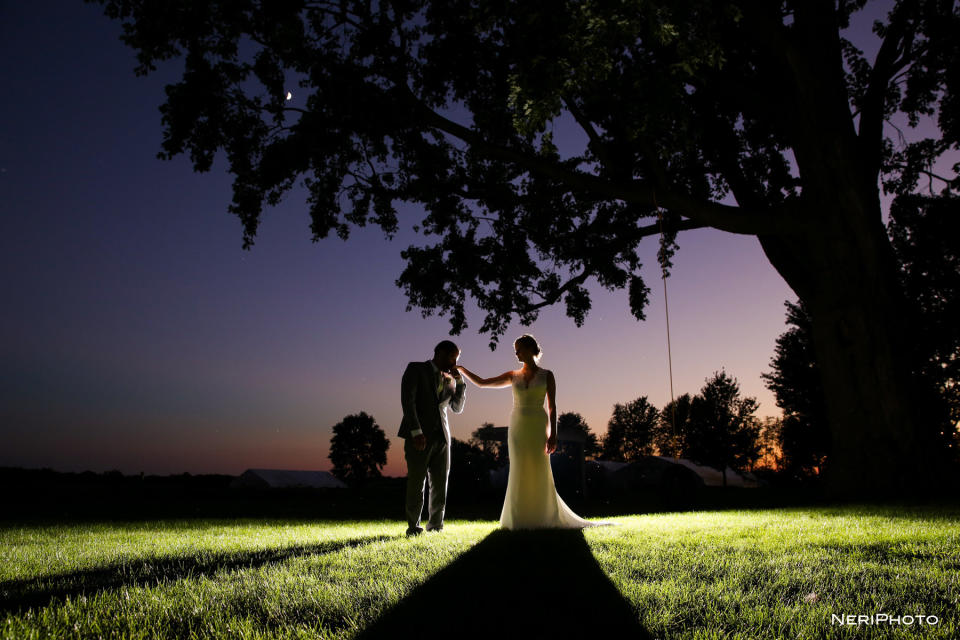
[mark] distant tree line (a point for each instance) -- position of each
(717, 428)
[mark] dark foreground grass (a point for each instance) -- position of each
(774, 573)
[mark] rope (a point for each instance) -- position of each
(666, 309)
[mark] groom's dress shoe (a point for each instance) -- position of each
(414, 531)
(440, 528)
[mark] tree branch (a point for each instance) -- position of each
(683, 225)
(926, 173)
(595, 140)
(556, 294)
(888, 63)
(712, 214)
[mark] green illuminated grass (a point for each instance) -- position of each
(717, 574)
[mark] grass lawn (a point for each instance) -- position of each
(772, 573)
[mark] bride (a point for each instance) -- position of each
(532, 500)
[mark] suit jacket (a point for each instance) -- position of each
(423, 407)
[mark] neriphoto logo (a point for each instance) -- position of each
(854, 620)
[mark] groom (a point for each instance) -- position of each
(427, 389)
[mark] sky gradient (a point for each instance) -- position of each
(137, 334)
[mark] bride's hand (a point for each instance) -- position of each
(551, 444)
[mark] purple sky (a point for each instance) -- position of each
(138, 335)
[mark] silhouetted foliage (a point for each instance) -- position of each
(925, 233)
(573, 420)
(358, 449)
(630, 431)
(671, 433)
(685, 105)
(470, 467)
(796, 383)
(723, 426)
(491, 441)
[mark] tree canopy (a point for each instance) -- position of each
(358, 449)
(796, 384)
(925, 233)
(575, 421)
(630, 431)
(674, 428)
(450, 104)
(491, 440)
(723, 427)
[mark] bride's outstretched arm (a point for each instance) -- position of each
(502, 380)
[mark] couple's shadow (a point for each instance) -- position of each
(528, 584)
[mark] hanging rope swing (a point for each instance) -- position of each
(666, 308)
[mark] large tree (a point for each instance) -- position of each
(575, 421)
(491, 440)
(723, 429)
(925, 233)
(630, 431)
(796, 383)
(754, 117)
(358, 449)
(671, 434)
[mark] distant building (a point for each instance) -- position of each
(649, 472)
(608, 466)
(662, 472)
(713, 477)
(282, 478)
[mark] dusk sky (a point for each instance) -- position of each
(138, 335)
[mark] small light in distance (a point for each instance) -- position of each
(289, 96)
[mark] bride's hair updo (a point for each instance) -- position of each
(530, 342)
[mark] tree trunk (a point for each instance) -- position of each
(846, 273)
(844, 269)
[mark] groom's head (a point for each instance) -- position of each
(445, 355)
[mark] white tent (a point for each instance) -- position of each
(713, 478)
(281, 478)
(609, 466)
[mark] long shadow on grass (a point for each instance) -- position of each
(20, 594)
(523, 584)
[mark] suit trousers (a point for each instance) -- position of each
(433, 463)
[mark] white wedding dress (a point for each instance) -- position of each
(532, 500)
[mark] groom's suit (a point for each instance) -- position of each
(425, 395)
